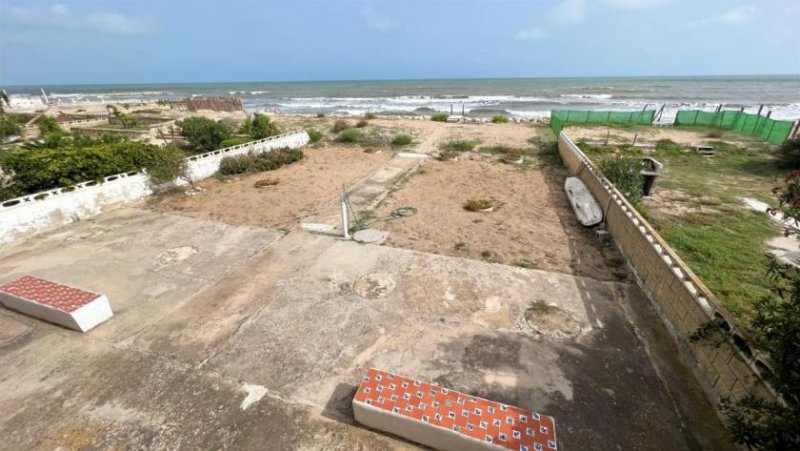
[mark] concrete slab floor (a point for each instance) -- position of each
(231, 337)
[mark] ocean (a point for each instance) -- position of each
(521, 98)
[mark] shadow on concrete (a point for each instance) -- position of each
(340, 405)
(652, 393)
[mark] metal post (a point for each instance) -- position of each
(345, 218)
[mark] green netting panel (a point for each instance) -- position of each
(560, 118)
(770, 130)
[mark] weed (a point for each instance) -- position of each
(320, 115)
(458, 146)
(500, 119)
(402, 140)
(340, 125)
(489, 256)
(263, 183)
(257, 162)
(527, 264)
(540, 306)
(460, 246)
(440, 117)
(314, 135)
(362, 123)
(349, 135)
(369, 115)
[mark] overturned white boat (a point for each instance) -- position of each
(586, 208)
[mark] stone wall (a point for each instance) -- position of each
(724, 363)
(60, 206)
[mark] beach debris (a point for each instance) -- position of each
(480, 205)
(194, 191)
(374, 285)
(265, 182)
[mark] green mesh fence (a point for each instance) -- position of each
(769, 130)
(560, 118)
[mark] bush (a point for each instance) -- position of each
(340, 125)
(314, 135)
(349, 135)
(235, 141)
(259, 162)
(500, 119)
(45, 168)
(49, 126)
(369, 115)
(440, 117)
(402, 140)
(320, 115)
(259, 127)
(203, 134)
(8, 128)
(790, 153)
(458, 146)
(624, 174)
(362, 123)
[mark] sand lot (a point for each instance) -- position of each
(533, 227)
(303, 187)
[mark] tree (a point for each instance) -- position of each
(765, 424)
(8, 127)
(127, 120)
(203, 134)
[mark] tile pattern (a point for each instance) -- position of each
(55, 295)
(504, 426)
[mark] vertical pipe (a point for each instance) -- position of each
(345, 218)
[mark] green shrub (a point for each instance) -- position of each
(45, 168)
(202, 133)
(259, 127)
(340, 125)
(48, 126)
(623, 172)
(8, 127)
(500, 119)
(369, 115)
(362, 123)
(349, 135)
(314, 135)
(790, 153)
(321, 115)
(259, 162)
(402, 140)
(235, 141)
(440, 117)
(458, 146)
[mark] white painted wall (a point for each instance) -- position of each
(60, 206)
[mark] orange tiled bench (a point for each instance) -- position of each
(446, 419)
(56, 303)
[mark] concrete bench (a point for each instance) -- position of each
(448, 420)
(60, 304)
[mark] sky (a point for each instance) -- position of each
(174, 41)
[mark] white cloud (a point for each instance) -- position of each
(532, 34)
(733, 16)
(375, 20)
(638, 4)
(59, 16)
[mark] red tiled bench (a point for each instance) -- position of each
(56, 303)
(446, 419)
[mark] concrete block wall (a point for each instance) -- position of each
(52, 208)
(723, 362)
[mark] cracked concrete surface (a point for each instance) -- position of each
(233, 337)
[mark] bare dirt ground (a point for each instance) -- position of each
(533, 227)
(302, 188)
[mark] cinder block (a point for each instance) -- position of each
(60, 304)
(448, 420)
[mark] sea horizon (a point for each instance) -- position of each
(524, 98)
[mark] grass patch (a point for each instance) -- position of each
(478, 204)
(500, 119)
(727, 252)
(458, 146)
(235, 141)
(362, 123)
(349, 135)
(369, 115)
(402, 140)
(440, 117)
(539, 306)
